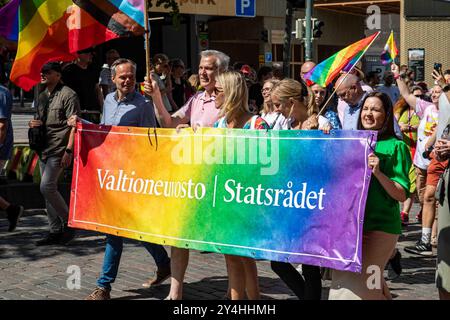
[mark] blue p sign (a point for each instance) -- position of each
(245, 8)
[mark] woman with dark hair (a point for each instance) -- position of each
(321, 95)
(182, 90)
(390, 163)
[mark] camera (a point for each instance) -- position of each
(426, 153)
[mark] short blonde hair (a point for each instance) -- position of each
(235, 95)
(289, 88)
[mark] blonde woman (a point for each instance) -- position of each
(297, 104)
(232, 99)
(272, 116)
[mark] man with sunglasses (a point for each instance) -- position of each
(349, 90)
(55, 105)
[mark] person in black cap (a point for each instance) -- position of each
(55, 105)
(82, 77)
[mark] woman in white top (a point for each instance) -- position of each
(272, 116)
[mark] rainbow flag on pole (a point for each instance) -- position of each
(54, 30)
(390, 50)
(327, 70)
(10, 21)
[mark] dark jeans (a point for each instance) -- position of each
(308, 287)
(113, 252)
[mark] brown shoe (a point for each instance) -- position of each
(99, 294)
(162, 275)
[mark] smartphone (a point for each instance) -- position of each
(438, 67)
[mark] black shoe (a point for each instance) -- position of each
(68, 235)
(50, 239)
(14, 212)
(421, 248)
(396, 265)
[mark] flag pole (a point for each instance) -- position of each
(345, 77)
(147, 40)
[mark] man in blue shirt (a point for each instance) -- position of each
(125, 107)
(6, 144)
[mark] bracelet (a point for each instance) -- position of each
(69, 151)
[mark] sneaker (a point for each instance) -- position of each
(162, 274)
(68, 235)
(99, 294)
(419, 217)
(50, 239)
(14, 212)
(396, 265)
(421, 248)
(404, 217)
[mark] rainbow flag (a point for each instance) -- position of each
(328, 69)
(390, 50)
(54, 30)
(10, 21)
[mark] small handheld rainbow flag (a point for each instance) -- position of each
(327, 70)
(390, 50)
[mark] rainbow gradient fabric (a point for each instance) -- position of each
(390, 51)
(326, 71)
(54, 30)
(10, 20)
(294, 196)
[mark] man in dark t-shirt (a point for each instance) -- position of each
(82, 78)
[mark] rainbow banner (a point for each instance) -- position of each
(390, 51)
(294, 196)
(325, 72)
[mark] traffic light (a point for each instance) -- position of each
(297, 4)
(317, 25)
(300, 29)
(265, 35)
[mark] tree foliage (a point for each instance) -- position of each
(174, 9)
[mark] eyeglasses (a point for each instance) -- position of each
(344, 94)
(218, 91)
(265, 89)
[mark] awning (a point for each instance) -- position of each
(358, 7)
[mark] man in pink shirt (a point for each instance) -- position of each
(199, 111)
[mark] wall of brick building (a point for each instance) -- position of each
(432, 35)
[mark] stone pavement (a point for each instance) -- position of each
(29, 272)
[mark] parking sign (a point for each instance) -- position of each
(246, 8)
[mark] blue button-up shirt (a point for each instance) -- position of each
(351, 115)
(133, 111)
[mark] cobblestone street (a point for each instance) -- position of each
(30, 272)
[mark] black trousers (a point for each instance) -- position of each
(308, 287)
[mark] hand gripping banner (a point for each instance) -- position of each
(292, 196)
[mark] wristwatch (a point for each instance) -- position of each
(69, 151)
